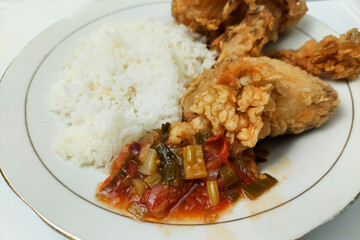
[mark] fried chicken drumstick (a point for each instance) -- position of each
(249, 98)
(238, 27)
(331, 57)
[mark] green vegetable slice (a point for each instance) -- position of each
(258, 186)
(139, 186)
(165, 155)
(171, 174)
(228, 175)
(153, 179)
(176, 153)
(193, 162)
(213, 192)
(202, 135)
(149, 167)
(165, 129)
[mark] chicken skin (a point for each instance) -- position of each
(238, 27)
(331, 57)
(249, 98)
(247, 38)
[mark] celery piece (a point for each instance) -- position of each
(228, 175)
(258, 186)
(213, 192)
(139, 186)
(193, 162)
(153, 179)
(149, 166)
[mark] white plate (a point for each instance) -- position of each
(318, 170)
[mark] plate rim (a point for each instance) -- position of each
(140, 3)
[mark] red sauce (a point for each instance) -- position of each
(187, 199)
(194, 207)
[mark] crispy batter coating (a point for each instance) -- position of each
(238, 27)
(181, 132)
(332, 57)
(247, 38)
(209, 17)
(249, 98)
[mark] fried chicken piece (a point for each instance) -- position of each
(247, 38)
(287, 13)
(249, 98)
(209, 17)
(331, 57)
(231, 23)
(262, 23)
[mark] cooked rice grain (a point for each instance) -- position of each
(124, 79)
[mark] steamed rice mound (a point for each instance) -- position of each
(124, 79)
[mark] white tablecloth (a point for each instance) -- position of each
(22, 20)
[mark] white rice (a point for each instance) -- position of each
(124, 79)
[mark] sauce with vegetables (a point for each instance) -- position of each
(153, 179)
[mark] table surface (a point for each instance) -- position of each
(22, 20)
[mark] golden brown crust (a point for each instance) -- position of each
(247, 38)
(229, 24)
(249, 98)
(332, 57)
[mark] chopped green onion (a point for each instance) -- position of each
(122, 172)
(127, 158)
(165, 129)
(139, 186)
(202, 135)
(176, 153)
(194, 165)
(153, 179)
(165, 155)
(139, 211)
(228, 175)
(258, 186)
(213, 192)
(171, 174)
(149, 166)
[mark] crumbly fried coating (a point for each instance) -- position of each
(331, 57)
(209, 17)
(230, 24)
(181, 132)
(249, 98)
